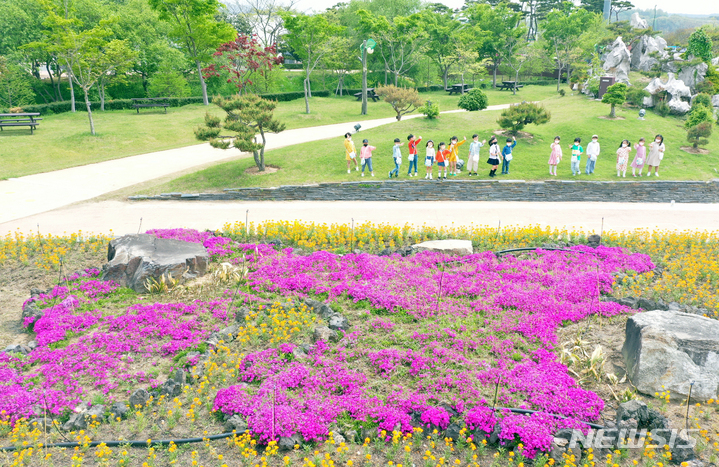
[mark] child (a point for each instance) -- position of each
(453, 153)
(639, 158)
(623, 157)
(577, 151)
(592, 155)
(366, 156)
(656, 154)
(412, 158)
(397, 156)
(507, 154)
(350, 152)
(473, 158)
(442, 155)
(493, 156)
(429, 159)
(555, 157)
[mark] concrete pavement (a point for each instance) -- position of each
(124, 217)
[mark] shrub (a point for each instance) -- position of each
(636, 95)
(562, 92)
(430, 109)
(702, 99)
(698, 115)
(204, 133)
(711, 78)
(402, 100)
(211, 121)
(219, 143)
(168, 83)
(593, 85)
(700, 45)
(698, 134)
(662, 108)
(518, 116)
(616, 95)
(15, 110)
(474, 99)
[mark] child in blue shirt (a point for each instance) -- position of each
(397, 156)
(507, 154)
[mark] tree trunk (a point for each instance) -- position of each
(307, 100)
(559, 77)
(612, 113)
(72, 92)
(516, 81)
(101, 90)
(52, 81)
(364, 80)
(494, 75)
(463, 83)
(308, 90)
(89, 114)
(445, 77)
(58, 74)
(203, 85)
(260, 158)
(396, 78)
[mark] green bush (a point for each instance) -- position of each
(562, 92)
(219, 143)
(702, 99)
(474, 99)
(518, 116)
(662, 109)
(211, 121)
(204, 133)
(698, 134)
(430, 109)
(698, 115)
(636, 95)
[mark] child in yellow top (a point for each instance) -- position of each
(350, 152)
(453, 153)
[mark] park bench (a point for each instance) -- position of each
(509, 85)
(370, 95)
(140, 102)
(457, 89)
(20, 119)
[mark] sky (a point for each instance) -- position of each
(692, 7)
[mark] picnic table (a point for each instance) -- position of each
(509, 85)
(139, 102)
(457, 88)
(370, 95)
(20, 119)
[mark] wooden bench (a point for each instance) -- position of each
(457, 89)
(140, 102)
(370, 95)
(509, 85)
(20, 119)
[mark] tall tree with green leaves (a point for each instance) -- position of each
(194, 26)
(700, 45)
(441, 47)
(564, 33)
(15, 89)
(310, 37)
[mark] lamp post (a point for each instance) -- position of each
(366, 47)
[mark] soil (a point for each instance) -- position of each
(269, 169)
(607, 117)
(519, 135)
(692, 150)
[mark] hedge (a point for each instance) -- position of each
(419, 89)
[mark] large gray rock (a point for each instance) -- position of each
(678, 91)
(645, 50)
(133, 259)
(637, 22)
(617, 61)
(715, 61)
(693, 75)
(667, 350)
(715, 100)
(450, 247)
(678, 106)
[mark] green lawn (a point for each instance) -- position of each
(64, 140)
(572, 116)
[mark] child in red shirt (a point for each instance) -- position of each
(442, 155)
(412, 158)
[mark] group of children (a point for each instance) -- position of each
(641, 159)
(446, 156)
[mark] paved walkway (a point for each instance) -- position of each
(33, 194)
(124, 217)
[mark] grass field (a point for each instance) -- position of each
(572, 116)
(64, 140)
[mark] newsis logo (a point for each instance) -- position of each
(611, 438)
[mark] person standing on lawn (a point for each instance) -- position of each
(397, 156)
(555, 157)
(507, 154)
(442, 155)
(454, 153)
(473, 158)
(366, 156)
(656, 154)
(623, 157)
(593, 149)
(493, 156)
(429, 159)
(350, 152)
(639, 158)
(577, 151)
(413, 142)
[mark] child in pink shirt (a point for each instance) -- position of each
(366, 156)
(640, 158)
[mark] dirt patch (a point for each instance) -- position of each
(269, 169)
(607, 117)
(692, 150)
(519, 135)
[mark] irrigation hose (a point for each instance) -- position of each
(167, 442)
(512, 250)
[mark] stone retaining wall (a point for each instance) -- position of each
(655, 191)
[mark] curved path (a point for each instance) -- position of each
(33, 194)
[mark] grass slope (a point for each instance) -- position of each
(572, 116)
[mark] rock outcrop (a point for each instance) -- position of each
(617, 61)
(645, 50)
(450, 247)
(692, 75)
(678, 91)
(637, 22)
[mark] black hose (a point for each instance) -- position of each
(530, 412)
(512, 250)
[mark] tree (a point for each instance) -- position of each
(636, 95)
(518, 116)
(536, 11)
(514, 44)
(339, 59)
(167, 82)
(263, 17)
(563, 31)
(247, 115)
(441, 47)
(616, 95)
(616, 7)
(15, 89)
(700, 45)
(402, 100)
(310, 37)
(242, 58)
(699, 114)
(494, 28)
(193, 25)
(115, 60)
(698, 134)
(473, 100)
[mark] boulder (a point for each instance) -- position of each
(633, 410)
(678, 91)
(644, 50)
(287, 443)
(30, 310)
(133, 259)
(715, 100)
(617, 61)
(235, 423)
(338, 323)
(449, 247)
(715, 61)
(119, 410)
(667, 350)
(693, 75)
(139, 398)
(323, 333)
(678, 106)
(637, 22)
